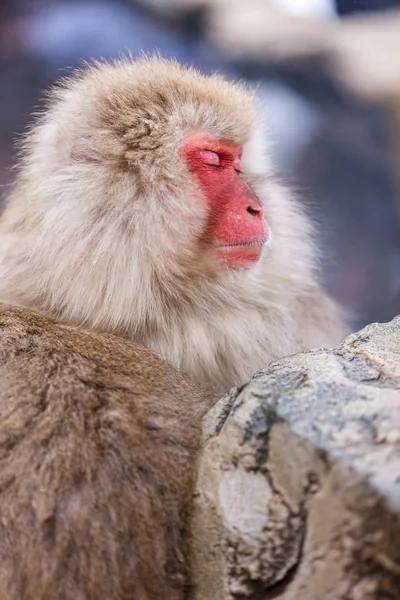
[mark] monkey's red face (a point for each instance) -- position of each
(236, 227)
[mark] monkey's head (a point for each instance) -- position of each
(162, 148)
(134, 192)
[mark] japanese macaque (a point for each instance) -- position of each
(145, 206)
(98, 438)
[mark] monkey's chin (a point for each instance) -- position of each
(240, 256)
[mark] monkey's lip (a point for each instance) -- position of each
(241, 255)
(242, 244)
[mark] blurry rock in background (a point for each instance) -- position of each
(362, 51)
(365, 55)
(329, 89)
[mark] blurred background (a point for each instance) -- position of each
(328, 79)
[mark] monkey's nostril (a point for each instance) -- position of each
(254, 212)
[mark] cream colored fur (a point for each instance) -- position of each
(104, 226)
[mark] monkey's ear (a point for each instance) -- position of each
(80, 156)
(84, 150)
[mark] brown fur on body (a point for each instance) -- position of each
(105, 226)
(97, 443)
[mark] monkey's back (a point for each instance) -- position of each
(97, 442)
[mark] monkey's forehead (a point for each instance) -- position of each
(158, 97)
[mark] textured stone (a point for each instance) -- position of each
(298, 493)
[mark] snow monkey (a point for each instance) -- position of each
(98, 438)
(145, 206)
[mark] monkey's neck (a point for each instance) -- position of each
(218, 334)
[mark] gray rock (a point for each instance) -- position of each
(298, 492)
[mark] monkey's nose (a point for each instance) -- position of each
(255, 211)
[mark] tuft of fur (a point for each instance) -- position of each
(98, 438)
(105, 226)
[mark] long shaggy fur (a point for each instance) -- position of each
(104, 226)
(98, 438)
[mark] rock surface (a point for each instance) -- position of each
(298, 493)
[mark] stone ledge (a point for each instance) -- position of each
(298, 492)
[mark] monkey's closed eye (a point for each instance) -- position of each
(210, 158)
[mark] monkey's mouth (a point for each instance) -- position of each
(243, 244)
(241, 255)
